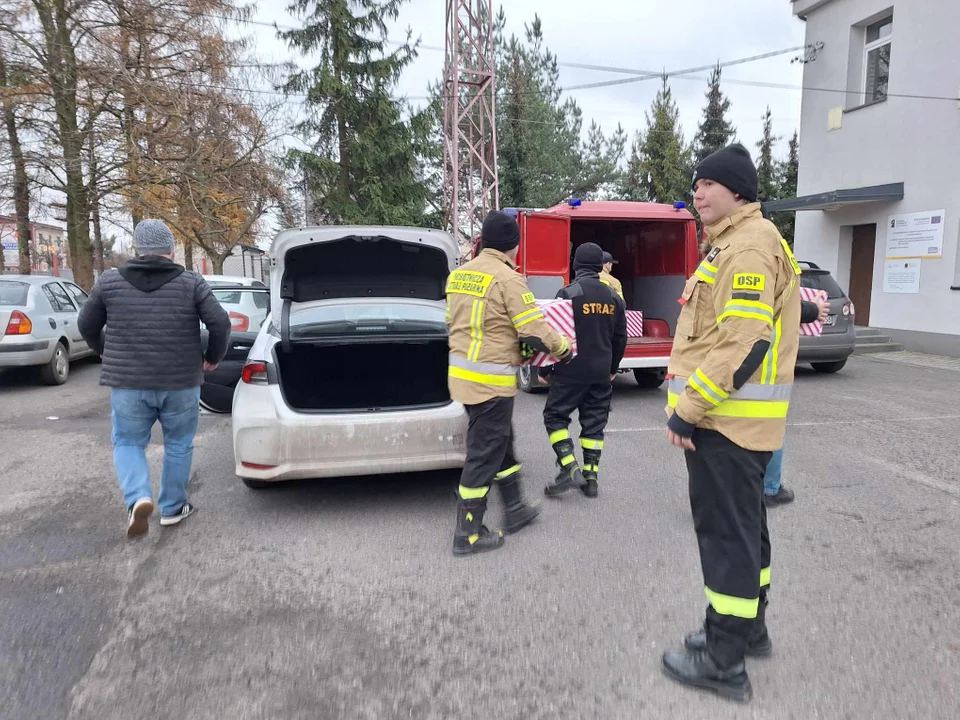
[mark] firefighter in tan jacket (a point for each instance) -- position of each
(730, 377)
(605, 275)
(490, 312)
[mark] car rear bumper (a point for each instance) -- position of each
(827, 348)
(273, 443)
(16, 352)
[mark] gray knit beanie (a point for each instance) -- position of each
(153, 237)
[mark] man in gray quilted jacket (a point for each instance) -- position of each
(153, 363)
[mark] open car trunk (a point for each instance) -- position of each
(357, 377)
(651, 261)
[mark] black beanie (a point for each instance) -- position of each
(500, 231)
(589, 256)
(733, 168)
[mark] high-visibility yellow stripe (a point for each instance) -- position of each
(707, 389)
(512, 470)
(768, 375)
(764, 576)
(759, 409)
(567, 459)
(558, 435)
(710, 384)
(761, 306)
(528, 317)
(706, 278)
(592, 468)
(730, 605)
(747, 315)
(476, 330)
(482, 378)
(473, 493)
(591, 444)
(564, 344)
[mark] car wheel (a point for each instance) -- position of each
(57, 370)
(648, 380)
(256, 484)
(829, 367)
(527, 380)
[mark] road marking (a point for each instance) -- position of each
(811, 424)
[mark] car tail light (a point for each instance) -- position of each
(848, 309)
(239, 322)
(19, 324)
(255, 373)
(257, 466)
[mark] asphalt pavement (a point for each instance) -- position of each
(341, 599)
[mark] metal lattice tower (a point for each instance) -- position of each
(471, 187)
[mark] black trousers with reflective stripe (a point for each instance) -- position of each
(726, 498)
(489, 442)
(593, 402)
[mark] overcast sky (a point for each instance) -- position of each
(649, 35)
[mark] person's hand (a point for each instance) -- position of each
(613, 377)
(824, 308)
(208, 366)
(543, 380)
(680, 441)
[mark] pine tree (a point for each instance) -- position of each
(664, 161)
(786, 221)
(541, 157)
(767, 171)
(363, 167)
(715, 131)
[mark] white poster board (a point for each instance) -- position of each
(915, 235)
(901, 276)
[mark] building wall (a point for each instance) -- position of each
(907, 140)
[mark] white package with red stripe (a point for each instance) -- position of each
(634, 323)
(559, 313)
(815, 328)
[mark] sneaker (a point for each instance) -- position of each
(186, 511)
(138, 517)
(782, 497)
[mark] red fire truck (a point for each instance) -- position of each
(656, 249)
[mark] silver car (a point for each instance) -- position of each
(38, 325)
(348, 376)
(828, 353)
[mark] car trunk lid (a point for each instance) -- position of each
(327, 263)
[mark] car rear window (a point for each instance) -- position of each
(227, 298)
(367, 319)
(13, 293)
(822, 281)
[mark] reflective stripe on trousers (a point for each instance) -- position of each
(481, 372)
(750, 401)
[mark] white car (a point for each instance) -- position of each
(38, 325)
(215, 281)
(349, 376)
(247, 307)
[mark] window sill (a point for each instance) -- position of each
(864, 105)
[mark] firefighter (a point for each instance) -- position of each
(606, 278)
(491, 312)
(730, 376)
(586, 382)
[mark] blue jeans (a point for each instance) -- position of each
(771, 481)
(134, 414)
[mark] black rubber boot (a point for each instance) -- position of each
(697, 669)
(591, 471)
(570, 475)
(759, 645)
(517, 512)
(471, 535)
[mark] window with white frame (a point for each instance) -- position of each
(876, 60)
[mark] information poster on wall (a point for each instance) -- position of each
(901, 276)
(915, 235)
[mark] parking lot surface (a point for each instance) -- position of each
(341, 599)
